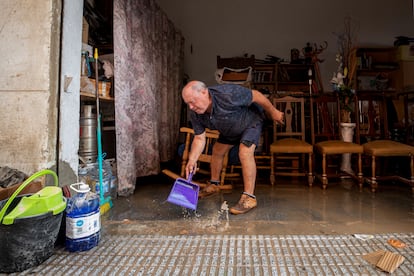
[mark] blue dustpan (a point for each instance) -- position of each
(184, 193)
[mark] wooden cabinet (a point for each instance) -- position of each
(406, 76)
(264, 78)
(381, 71)
(294, 77)
(270, 78)
(378, 69)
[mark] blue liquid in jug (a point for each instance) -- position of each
(82, 222)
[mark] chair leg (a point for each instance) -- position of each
(324, 175)
(412, 172)
(272, 169)
(310, 174)
(374, 183)
(360, 174)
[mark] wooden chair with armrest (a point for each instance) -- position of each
(289, 147)
(378, 146)
(205, 157)
(329, 144)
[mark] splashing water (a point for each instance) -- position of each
(189, 214)
(214, 222)
(222, 215)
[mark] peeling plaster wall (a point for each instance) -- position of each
(29, 35)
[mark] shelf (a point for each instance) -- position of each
(89, 96)
(108, 128)
(282, 77)
(378, 70)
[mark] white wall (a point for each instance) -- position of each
(262, 27)
(29, 35)
(69, 97)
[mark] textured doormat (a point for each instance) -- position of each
(230, 255)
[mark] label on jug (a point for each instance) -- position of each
(83, 226)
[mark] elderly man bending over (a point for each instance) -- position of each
(238, 114)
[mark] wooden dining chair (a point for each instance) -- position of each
(389, 159)
(289, 147)
(329, 145)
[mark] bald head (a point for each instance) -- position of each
(195, 95)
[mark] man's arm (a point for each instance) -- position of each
(197, 147)
(270, 110)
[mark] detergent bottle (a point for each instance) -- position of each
(83, 225)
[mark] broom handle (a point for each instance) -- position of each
(98, 128)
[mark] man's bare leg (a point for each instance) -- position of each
(216, 165)
(219, 151)
(248, 199)
(248, 164)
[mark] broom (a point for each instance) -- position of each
(105, 203)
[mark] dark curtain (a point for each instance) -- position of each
(148, 58)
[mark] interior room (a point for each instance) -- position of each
(269, 34)
(335, 181)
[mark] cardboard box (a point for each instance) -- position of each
(31, 188)
(104, 88)
(85, 31)
(87, 85)
(384, 260)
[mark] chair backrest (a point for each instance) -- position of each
(236, 62)
(326, 121)
(236, 70)
(407, 119)
(372, 116)
(327, 117)
(294, 109)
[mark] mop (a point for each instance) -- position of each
(105, 203)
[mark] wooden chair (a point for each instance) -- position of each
(373, 112)
(328, 143)
(205, 157)
(289, 147)
(235, 62)
(236, 70)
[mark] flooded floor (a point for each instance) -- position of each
(295, 230)
(288, 208)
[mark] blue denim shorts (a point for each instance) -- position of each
(250, 135)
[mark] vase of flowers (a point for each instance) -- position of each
(343, 86)
(342, 78)
(346, 95)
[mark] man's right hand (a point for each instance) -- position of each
(190, 167)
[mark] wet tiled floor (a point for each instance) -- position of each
(291, 207)
(227, 255)
(295, 230)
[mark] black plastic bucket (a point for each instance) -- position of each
(27, 242)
